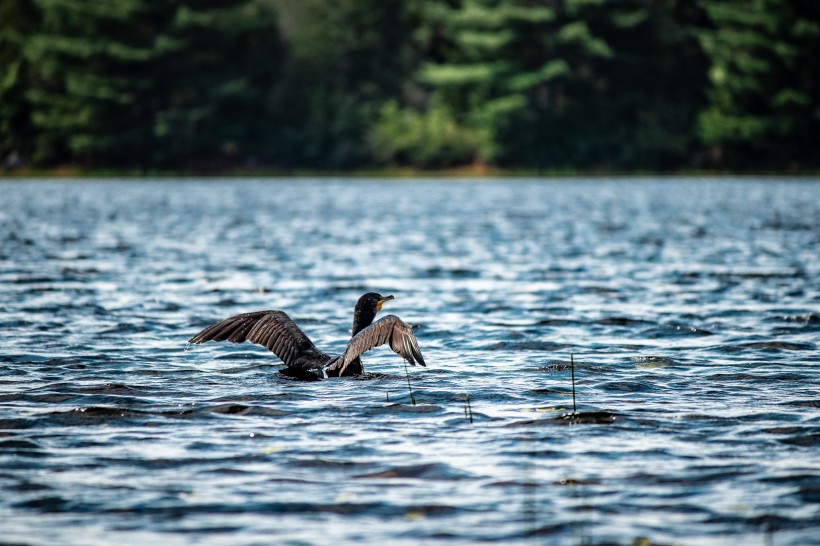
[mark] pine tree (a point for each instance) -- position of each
(214, 83)
(504, 68)
(18, 18)
(571, 83)
(641, 109)
(764, 100)
(91, 96)
(346, 58)
(148, 84)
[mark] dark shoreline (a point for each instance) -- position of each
(365, 174)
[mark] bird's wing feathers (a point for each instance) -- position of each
(390, 329)
(272, 329)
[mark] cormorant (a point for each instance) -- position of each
(276, 331)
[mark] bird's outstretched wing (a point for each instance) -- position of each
(390, 329)
(272, 329)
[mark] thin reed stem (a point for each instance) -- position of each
(572, 366)
(409, 388)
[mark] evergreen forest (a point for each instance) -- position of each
(340, 85)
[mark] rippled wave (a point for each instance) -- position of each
(690, 308)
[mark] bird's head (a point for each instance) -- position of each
(380, 301)
(373, 301)
(366, 309)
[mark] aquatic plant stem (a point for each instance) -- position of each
(572, 367)
(409, 388)
(468, 410)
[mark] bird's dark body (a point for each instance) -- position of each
(313, 369)
(316, 363)
(276, 331)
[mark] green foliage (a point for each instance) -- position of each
(764, 101)
(604, 84)
(18, 19)
(148, 84)
(92, 69)
(218, 64)
(640, 104)
(427, 139)
(346, 59)
(495, 61)
(332, 84)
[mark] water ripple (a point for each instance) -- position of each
(687, 311)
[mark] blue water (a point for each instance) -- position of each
(691, 309)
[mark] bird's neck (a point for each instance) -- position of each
(362, 318)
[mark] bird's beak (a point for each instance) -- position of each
(381, 302)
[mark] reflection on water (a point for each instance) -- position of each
(691, 309)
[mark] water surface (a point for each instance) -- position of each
(690, 308)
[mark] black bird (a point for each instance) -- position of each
(276, 331)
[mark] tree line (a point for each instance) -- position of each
(350, 84)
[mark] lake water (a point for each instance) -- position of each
(690, 308)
